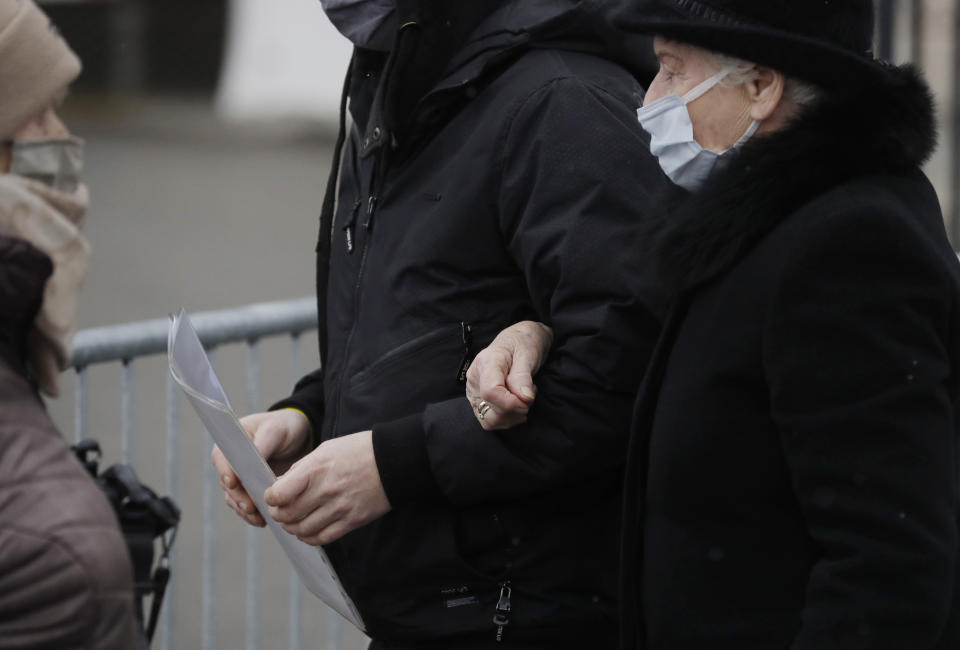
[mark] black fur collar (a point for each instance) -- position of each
(883, 128)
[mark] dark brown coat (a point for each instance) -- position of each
(65, 577)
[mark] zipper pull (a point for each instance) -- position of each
(371, 208)
(348, 227)
(466, 333)
(502, 617)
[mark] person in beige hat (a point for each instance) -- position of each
(65, 575)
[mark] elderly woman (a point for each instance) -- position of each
(793, 474)
(65, 575)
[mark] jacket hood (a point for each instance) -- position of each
(443, 46)
(24, 270)
(580, 25)
(887, 127)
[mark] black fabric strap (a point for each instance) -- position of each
(160, 579)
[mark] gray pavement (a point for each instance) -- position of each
(191, 212)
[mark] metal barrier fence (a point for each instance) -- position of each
(126, 343)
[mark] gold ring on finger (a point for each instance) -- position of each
(483, 407)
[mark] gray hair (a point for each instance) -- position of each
(801, 93)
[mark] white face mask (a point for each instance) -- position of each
(56, 162)
(681, 157)
(367, 23)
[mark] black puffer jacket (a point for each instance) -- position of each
(511, 188)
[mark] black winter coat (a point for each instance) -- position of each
(512, 189)
(793, 475)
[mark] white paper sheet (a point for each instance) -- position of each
(191, 368)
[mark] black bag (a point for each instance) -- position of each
(143, 517)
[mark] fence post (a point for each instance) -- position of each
(127, 412)
(252, 533)
(168, 621)
(884, 32)
(80, 405)
(211, 489)
(296, 593)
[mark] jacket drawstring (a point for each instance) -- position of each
(402, 50)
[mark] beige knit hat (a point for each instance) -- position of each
(35, 63)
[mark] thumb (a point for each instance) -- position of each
(520, 379)
(268, 439)
(288, 487)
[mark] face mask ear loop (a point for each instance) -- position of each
(754, 125)
(704, 86)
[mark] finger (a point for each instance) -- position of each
(233, 504)
(504, 421)
(520, 384)
(328, 535)
(491, 378)
(314, 522)
(288, 487)
(526, 362)
(270, 437)
(242, 506)
(485, 416)
(228, 477)
(232, 486)
(496, 421)
(252, 517)
(241, 498)
(299, 508)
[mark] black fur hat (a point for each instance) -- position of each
(826, 42)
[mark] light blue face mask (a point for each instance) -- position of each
(367, 23)
(681, 157)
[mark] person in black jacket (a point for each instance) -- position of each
(495, 171)
(793, 476)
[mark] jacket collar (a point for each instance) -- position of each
(23, 274)
(514, 26)
(887, 127)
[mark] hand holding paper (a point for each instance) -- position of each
(330, 491)
(191, 369)
(282, 437)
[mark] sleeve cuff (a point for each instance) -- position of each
(400, 450)
(313, 415)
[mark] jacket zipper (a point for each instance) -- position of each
(356, 308)
(501, 616)
(378, 175)
(351, 222)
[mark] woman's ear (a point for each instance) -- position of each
(765, 93)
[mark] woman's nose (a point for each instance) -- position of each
(52, 126)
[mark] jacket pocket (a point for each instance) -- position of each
(442, 336)
(423, 370)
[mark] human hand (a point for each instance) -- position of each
(281, 437)
(501, 376)
(330, 491)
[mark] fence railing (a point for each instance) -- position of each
(125, 344)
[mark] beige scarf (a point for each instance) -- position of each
(52, 222)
